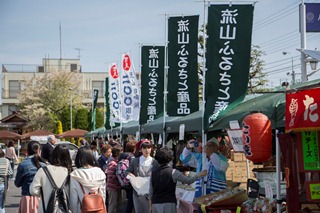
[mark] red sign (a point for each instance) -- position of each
(303, 110)
(114, 72)
(126, 62)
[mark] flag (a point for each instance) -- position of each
(94, 106)
(114, 93)
(183, 89)
(106, 98)
(227, 59)
(130, 94)
(152, 83)
(108, 122)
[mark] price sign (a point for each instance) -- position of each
(313, 191)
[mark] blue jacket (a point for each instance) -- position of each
(216, 179)
(25, 174)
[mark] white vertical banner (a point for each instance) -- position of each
(130, 98)
(114, 93)
(181, 132)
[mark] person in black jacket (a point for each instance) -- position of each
(163, 199)
(48, 148)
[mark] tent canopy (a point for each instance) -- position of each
(267, 104)
(4, 134)
(97, 132)
(38, 133)
(155, 126)
(75, 133)
(192, 122)
(130, 128)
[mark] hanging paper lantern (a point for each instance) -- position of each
(257, 137)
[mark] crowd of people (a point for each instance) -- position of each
(97, 173)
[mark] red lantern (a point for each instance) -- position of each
(257, 137)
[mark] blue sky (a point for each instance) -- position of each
(103, 29)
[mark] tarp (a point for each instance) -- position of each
(192, 122)
(130, 128)
(155, 126)
(97, 132)
(271, 104)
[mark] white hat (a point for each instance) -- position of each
(213, 140)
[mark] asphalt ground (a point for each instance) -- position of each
(13, 197)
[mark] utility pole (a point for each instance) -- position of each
(303, 41)
(292, 71)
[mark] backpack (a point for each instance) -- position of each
(59, 199)
(122, 166)
(92, 202)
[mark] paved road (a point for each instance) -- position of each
(13, 198)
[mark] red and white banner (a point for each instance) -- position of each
(130, 98)
(114, 93)
(303, 110)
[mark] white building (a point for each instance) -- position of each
(12, 74)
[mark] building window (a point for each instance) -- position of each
(99, 85)
(14, 89)
(12, 109)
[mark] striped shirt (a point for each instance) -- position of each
(5, 169)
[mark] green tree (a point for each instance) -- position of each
(99, 118)
(81, 121)
(257, 79)
(64, 116)
(44, 97)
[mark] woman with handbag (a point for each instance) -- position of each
(5, 171)
(87, 178)
(11, 156)
(26, 171)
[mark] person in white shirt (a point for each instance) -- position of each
(141, 167)
(88, 175)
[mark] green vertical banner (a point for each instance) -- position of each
(310, 151)
(106, 98)
(229, 32)
(152, 83)
(183, 89)
(94, 106)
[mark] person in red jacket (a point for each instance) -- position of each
(113, 185)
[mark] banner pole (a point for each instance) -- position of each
(140, 58)
(204, 135)
(165, 80)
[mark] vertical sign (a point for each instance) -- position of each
(152, 81)
(94, 108)
(130, 104)
(310, 151)
(106, 98)
(228, 58)
(114, 93)
(312, 17)
(182, 98)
